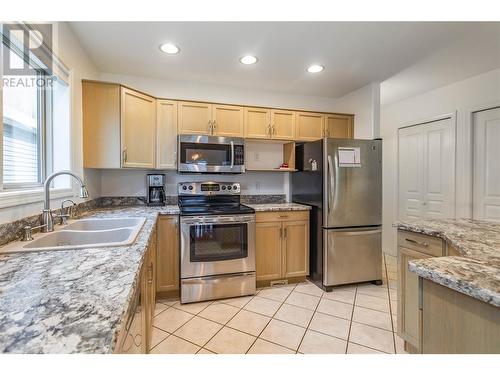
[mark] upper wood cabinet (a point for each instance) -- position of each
(257, 123)
(119, 127)
(138, 123)
(101, 125)
(339, 126)
(166, 134)
(309, 126)
(210, 119)
(227, 120)
(194, 118)
(282, 124)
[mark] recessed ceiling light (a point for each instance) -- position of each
(315, 68)
(248, 60)
(169, 48)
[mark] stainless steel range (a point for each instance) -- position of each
(217, 242)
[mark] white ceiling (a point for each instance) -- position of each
(353, 53)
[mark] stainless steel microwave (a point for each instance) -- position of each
(209, 154)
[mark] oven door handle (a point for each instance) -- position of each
(202, 221)
(232, 154)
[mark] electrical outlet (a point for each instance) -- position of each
(257, 185)
(256, 156)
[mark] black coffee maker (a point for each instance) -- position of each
(156, 189)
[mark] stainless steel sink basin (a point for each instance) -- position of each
(66, 239)
(80, 234)
(104, 224)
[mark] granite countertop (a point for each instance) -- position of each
(476, 272)
(72, 301)
(278, 207)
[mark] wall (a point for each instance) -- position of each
(364, 103)
(73, 55)
(463, 97)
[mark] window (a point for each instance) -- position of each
(36, 131)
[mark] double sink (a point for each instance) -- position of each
(85, 233)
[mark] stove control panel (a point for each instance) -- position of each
(209, 188)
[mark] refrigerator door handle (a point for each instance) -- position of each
(332, 182)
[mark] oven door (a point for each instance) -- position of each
(216, 245)
(207, 154)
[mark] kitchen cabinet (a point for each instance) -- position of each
(309, 126)
(227, 120)
(167, 256)
(282, 124)
(339, 126)
(119, 127)
(269, 250)
(166, 134)
(412, 246)
(136, 333)
(138, 123)
(101, 125)
(257, 123)
(282, 246)
(455, 323)
(210, 119)
(296, 248)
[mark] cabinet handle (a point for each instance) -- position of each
(269, 130)
(209, 126)
(425, 244)
(281, 232)
(274, 130)
(285, 232)
(214, 126)
(150, 272)
(124, 155)
(284, 216)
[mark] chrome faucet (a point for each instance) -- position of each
(47, 219)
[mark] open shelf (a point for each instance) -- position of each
(265, 156)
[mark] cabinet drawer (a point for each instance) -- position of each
(261, 217)
(420, 242)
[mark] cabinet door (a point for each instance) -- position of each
(268, 256)
(227, 120)
(283, 124)
(195, 118)
(257, 123)
(408, 311)
(167, 254)
(138, 122)
(296, 248)
(339, 126)
(308, 126)
(166, 134)
(101, 125)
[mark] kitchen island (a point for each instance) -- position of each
(458, 295)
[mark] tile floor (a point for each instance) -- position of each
(300, 318)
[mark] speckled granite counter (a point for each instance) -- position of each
(278, 207)
(72, 301)
(477, 272)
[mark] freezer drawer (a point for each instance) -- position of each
(352, 255)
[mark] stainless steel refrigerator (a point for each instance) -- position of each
(341, 179)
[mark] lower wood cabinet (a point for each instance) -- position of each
(282, 245)
(167, 255)
(412, 246)
(136, 333)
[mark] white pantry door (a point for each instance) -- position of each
(427, 170)
(486, 184)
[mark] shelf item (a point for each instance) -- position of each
(268, 156)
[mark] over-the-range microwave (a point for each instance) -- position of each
(209, 154)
